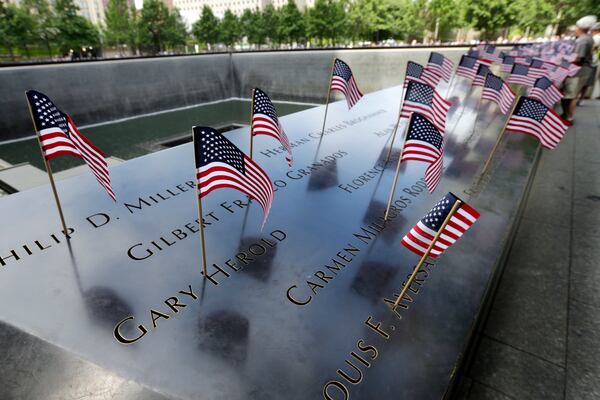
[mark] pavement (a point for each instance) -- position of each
(542, 336)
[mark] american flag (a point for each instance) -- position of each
(59, 136)
(537, 69)
(425, 100)
(570, 67)
(440, 65)
(467, 67)
(492, 53)
(520, 75)
(220, 164)
(482, 72)
(523, 60)
(265, 121)
(418, 73)
(419, 238)
(425, 143)
(507, 63)
(544, 91)
(343, 81)
(532, 117)
(496, 90)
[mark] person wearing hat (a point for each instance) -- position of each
(583, 50)
(586, 92)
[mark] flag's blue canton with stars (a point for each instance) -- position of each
(220, 164)
(537, 63)
(421, 236)
(422, 129)
(493, 82)
(532, 117)
(467, 61)
(542, 83)
(266, 122)
(414, 70)
(215, 148)
(343, 80)
(59, 136)
(440, 66)
(531, 109)
(420, 93)
(45, 113)
(507, 63)
(436, 216)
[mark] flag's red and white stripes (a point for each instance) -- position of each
(255, 183)
(504, 98)
(420, 237)
(348, 88)
(56, 143)
(436, 113)
(262, 124)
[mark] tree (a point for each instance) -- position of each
(270, 21)
(74, 31)
(291, 23)
(159, 28)
(119, 27)
(8, 38)
(326, 21)
(46, 30)
(487, 16)
(373, 20)
(229, 29)
(444, 14)
(206, 29)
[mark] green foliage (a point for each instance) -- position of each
(120, 29)
(270, 21)
(253, 28)
(326, 21)
(291, 23)
(206, 29)
(74, 31)
(488, 16)
(229, 29)
(159, 28)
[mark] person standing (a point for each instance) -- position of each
(596, 36)
(583, 50)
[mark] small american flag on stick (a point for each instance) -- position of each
(440, 66)
(496, 90)
(59, 136)
(532, 117)
(220, 164)
(420, 237)
(266, 122)
(520, 75)
(482, 72)
(507, 63)
(425, 143)
(467, 67)
(425, 100)
(418, 73)
(343, 81)
(544, 91)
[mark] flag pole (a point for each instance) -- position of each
(422, 260)
(389, 203)
(396, 126)
(50, 176)
(327, 103)
(500, 136)
(251, 118)
(200, 213)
